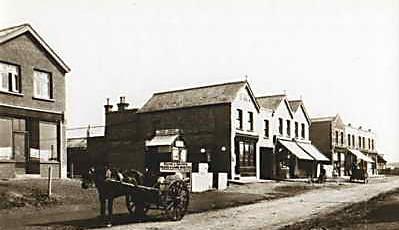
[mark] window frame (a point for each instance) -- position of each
(267, 128)
(288, 128)
(342, 138)
(250, 121)
(280, 126)
(296, 129)
(239, 119)
(58, 140)
(51, 85)
(303, 134)
(11, 83)
(349, 140)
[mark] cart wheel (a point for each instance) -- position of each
(178, 196)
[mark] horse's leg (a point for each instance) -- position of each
(102, 202)
(110, 207)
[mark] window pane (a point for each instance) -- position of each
(9, 79)
(5, 138)
(48, 141)
(42, 84)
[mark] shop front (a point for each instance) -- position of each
(245, 155)
(293, 161)
(29, 145)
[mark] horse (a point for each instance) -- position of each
(99, 176)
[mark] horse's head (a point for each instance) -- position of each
(88, 179)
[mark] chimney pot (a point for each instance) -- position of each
(122, 105)
(108, 107)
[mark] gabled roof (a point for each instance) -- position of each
(270, 102)
(273, 102)
(13, 32)
(296, 104)
(199, 96)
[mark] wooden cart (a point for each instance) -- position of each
(359, 175)
(172, 195)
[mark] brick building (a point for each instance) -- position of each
(218, 123)
(345, 144)
(224, 125)
(32, 105)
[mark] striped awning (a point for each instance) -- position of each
(360, 155)
(313, 151)
(294, 148)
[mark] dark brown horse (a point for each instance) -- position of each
(100, 177)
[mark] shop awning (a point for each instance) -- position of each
(296, 150)
(313, 151)
(360, 155)
(161, 140)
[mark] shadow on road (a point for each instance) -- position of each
(89, 223)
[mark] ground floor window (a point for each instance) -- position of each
(6, 139)
(48, 141)
(10, 144)
(245, 151)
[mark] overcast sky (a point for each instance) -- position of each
(339, 56)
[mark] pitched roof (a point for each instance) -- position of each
(199, 96)
(323, 119)
(295, 104)
(270, 102)
(12, 32)
(81, 132)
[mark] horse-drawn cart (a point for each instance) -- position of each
(359, 174)
(171, 195)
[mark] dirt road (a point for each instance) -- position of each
(277, 213)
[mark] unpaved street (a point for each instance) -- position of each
(277, 213)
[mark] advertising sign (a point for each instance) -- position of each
(183, 167)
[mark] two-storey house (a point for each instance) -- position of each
(286, 150)
(32, 105)
(344, 145)
(362, 142)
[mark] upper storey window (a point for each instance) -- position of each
(43, 85)
(9, 78)
(239, 119)
(251, 121)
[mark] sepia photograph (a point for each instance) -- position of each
(188, 114)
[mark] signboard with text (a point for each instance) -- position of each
(183, 167)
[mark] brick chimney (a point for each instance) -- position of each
(122, 105)
(108, 107)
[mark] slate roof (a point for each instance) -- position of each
(323, 119)
(192, 97)
(270, 102)
(295, 104)
(13, 32)
(81, 132)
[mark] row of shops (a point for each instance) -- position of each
(228, 128)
